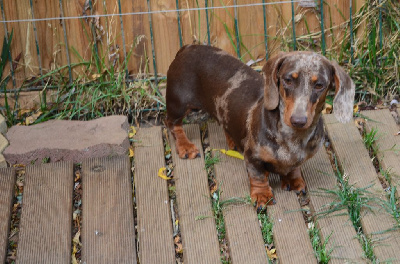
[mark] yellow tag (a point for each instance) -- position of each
(162, 173)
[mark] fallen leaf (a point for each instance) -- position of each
(272, 253)
(162, 173)
(131, 152)
(359, 122)
(31, 119)
(178, 245)
(231, 153)
(76, 239)
(132, 131)
(355, 108)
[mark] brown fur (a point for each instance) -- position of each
(274, 119)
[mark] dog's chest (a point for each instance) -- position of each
(283, 156)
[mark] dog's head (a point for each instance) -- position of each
(301, 80)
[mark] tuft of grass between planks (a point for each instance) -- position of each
(392, 203)
(355, 200)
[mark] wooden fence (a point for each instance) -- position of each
(140, 31)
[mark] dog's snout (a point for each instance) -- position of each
(298, 121)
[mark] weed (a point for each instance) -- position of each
(211, 160)
(320, 247)
(370, 139)
(356, 200)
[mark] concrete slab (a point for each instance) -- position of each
(58, 140)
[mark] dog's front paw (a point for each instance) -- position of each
(188, 151)
(261, 193)
(297, 184)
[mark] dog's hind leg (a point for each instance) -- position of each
(184, 147)
(293, 181)
(229, 141)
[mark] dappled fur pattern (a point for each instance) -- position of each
(274, 118)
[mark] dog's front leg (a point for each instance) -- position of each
(293, 181)
(260, 191)
(184, 147)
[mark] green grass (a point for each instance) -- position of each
(370, 139)
(266, 227)
(356, 201)
(211, 160)
(322, 253)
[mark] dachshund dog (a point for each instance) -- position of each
(274, 118)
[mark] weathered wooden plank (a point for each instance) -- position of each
(46, 218)
(7, 181)
(357, 165)
(245, 240)
(108, 231)
(153, 213)
(192, 195)
(318, 174)
(387, 143)
(291, 238)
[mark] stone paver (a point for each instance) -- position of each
(59, 140)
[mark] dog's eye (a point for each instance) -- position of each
(319, 86)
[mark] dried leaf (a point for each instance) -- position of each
(132, 132)
(355, 108)
(231, 153)
(131, 152)
(31, 119)
(272, 253)
(162, 173)
(359, 122)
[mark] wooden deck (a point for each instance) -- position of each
(108, 211)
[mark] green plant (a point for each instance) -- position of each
(211, 160)
(322, 253)
(355, 200)
(266, 227)
(5, 58)
(370, 139)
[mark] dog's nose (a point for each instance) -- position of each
(298, 121)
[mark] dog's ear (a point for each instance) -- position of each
(271, 89)
(344, 94)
